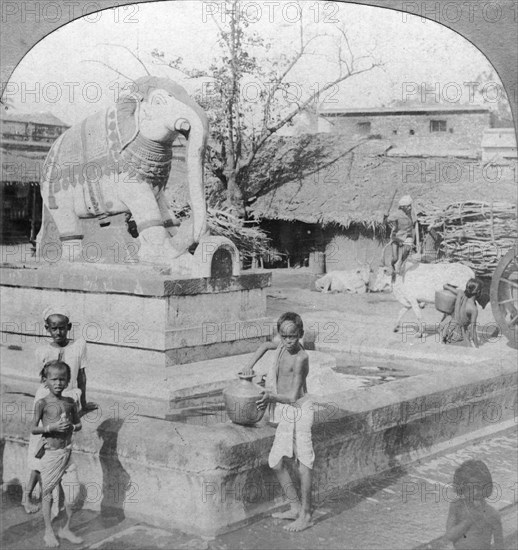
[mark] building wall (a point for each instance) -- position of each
(345, 248)
(294, 240)
(500, 153)
(463, 131)
(24, 147)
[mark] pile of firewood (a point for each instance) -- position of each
(475, 233)
(250, 241)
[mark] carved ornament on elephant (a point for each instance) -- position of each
(118, 161)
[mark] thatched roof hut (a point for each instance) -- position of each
(326, 179)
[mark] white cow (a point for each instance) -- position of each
(354, 281)
(419, 282)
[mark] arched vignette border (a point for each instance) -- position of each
(495, 39)
(19, 37)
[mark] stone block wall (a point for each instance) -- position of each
(463, 130)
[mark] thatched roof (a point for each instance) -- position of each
(45, 118)
(325, 179)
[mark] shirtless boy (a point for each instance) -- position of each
(292, 410)
(462, 327)
(59, 418)
(472, 523)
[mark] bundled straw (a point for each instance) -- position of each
(250, 241)
(475, 233)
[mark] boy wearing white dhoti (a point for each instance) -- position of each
(56, 417)
(291, 409)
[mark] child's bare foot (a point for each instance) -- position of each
(292, 513)
(50, 539)
(29, 506)
(67, 534)
(304, 521)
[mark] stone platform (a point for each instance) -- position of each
(209, 479)
(180, 340)
(135, 319)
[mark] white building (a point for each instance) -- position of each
(499, 146)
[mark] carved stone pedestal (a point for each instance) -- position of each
(139, 323)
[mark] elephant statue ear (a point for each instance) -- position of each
(128, 108)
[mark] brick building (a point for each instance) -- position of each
(444, 126)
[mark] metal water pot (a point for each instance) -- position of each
(240, 401)
(445, 301)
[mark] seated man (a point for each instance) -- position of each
(403, 223)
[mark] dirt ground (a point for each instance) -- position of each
(296, 287)
(367, 321)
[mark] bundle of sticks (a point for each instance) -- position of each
(475, 233)
(250, 241)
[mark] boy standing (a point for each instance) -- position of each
(73, 353)
(59, 418)
(292, 410)
(57, 324)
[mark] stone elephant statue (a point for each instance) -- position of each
(118, 161)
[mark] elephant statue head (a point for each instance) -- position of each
(130, 144)
(162, 110)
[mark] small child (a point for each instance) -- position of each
(462, 325)
(59, 417)
(472, 522)
(57, 324)
(292, 410)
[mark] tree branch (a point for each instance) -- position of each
(129, 51)
(108, 66)
(280, 78)
(272, 129)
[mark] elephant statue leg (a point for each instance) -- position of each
(171, 223)
(155, 241)
(67, 223)
(182, 234)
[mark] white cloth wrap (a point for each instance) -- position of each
(57, 467)
(55, 310)
(293, 434)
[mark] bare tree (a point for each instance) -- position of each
(240, 126)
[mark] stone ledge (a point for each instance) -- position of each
(208, 468)
(131, 279)
(192, 381)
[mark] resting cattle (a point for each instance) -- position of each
(354, 281)
(418, 283)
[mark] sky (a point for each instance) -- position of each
(69, 81)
